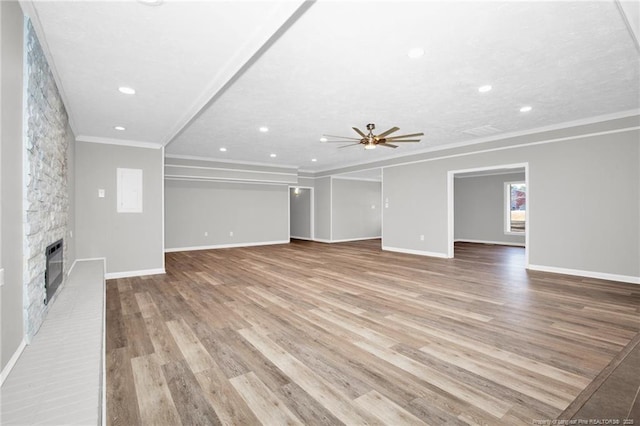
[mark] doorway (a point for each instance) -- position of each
(489, 205)
(301, 213)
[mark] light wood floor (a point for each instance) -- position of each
(310, 333)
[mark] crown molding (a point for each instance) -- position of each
(499, 137)
(237, 162)
(356, 178)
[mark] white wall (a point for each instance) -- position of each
(479, 204)
(130, 242)
(11, 293)
(255, 213)
(356, 212)
(584, 213)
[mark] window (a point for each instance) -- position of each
(516, 207)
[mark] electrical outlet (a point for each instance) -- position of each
(421, 237)
(1, 277)
(231, 233)
(373, 206)
(206, 234)
(100, 193)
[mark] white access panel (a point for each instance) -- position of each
(129, 189)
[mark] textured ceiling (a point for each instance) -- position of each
(304, 71)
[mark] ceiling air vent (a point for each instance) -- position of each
(482, 131)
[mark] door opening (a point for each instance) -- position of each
(301, 213)
(489, 205)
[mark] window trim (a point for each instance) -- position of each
(507, 208)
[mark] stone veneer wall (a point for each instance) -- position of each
(46, 179)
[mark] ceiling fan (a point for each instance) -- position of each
(370, 141)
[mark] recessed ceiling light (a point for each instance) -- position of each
(264, 129)
(484, 89)
(323, 139)
(119, 128)
(127, 90)
(151, 2)
(272, 156)
(526, 108)
(223, 149)
(314, 159)
(415, 52)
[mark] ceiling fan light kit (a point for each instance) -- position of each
(370, 141)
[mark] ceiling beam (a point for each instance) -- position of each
(254, 48)
(630, 12)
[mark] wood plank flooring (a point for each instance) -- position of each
(310, 333)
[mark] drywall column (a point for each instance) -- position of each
(131, 243)
(322, 207)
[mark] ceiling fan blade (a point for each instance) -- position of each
(338, 142)
(388, 145)
(358, 131)
(406, 136)
(405, 140)
(341, 137)
(345, 146)
(388, 132)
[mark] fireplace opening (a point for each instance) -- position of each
(54, 272)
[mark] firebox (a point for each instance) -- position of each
(54, 272)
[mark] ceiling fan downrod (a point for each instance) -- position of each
(371, 141)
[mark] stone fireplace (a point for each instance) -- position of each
(47, 186)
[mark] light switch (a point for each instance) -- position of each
(100, 193)
(1, 277)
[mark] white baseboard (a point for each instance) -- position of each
(91, 259)
(73, 265)
(221, 246)
(127, 274)
(12, 362)
(586, 274)
(498, 243)
(418, 252)
(346, 240)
